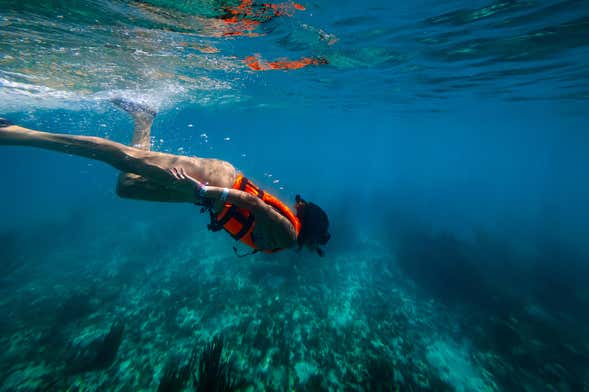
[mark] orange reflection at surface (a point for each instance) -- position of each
(256, 64)
(248, 15)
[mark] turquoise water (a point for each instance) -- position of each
(447, 142)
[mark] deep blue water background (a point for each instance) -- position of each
(465, 120)
(515, 170)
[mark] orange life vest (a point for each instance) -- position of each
(240, 222)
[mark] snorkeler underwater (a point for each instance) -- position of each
(243, 195)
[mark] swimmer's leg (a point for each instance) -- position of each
(134, 186)
(143, 117)
(154, 166)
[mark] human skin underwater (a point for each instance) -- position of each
(153, 176)
(242, 195)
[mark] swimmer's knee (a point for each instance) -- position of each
(126, 184)
(122, 190)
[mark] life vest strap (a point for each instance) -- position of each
(232, 212)
(213, 225)
(246, 226)
(221, 222)
(253, 252)
(244, 182)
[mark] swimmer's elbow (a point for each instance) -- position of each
(255, 203)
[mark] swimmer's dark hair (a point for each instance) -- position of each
(314, 225)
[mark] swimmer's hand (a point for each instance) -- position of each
(181, 176)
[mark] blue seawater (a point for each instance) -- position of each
(447, 141)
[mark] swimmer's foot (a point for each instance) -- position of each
(135, 109)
